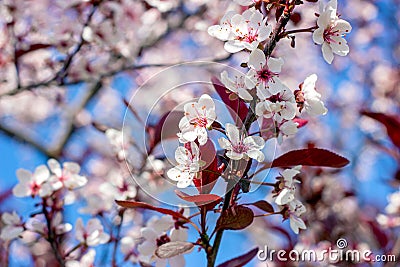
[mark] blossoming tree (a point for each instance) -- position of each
(205, 148)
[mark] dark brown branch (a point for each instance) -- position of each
(60, 76)
(51, 238)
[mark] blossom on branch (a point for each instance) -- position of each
(67, 176)
(13, 226)
(199, 116)
(296, 209)
(277, 102)
(237, 86)
(245, 31)
(310, 99)
(86, 260)
(189, 164)
(287, 128)
(36, 184)
(155, 235)
(91, 235)
(288, 186)
(263, 74)
(241, 147)
(331, 31)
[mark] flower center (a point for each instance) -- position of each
(329, 33)
(199, 122)
(265, 75)
(249, 37)
(35, 188)
(240, 148)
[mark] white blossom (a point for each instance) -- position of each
(393, 206)
(154, 235)
(288, 128)
(67, 176)
(331, 31)
(237, 86)
(13, 226)
(246, 2)
(198, 117)
(119, 142)
(296, 209)
(86, 260)
(189, 164)
(56, 223)
(277, 102)
(388, 221)
(263, 74)
(33, 184)
(240, 146)
(288, 186)
(91, 235)
(245, 31)
(313, 104)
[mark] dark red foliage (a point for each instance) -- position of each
(391, 122)
(241, 260)
(238, 107)
(310, 157)
(235, 218)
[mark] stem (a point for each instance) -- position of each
(310, 29)
(117, 236)
(262, 183)
(268, 214)
(283, 20)
(51, 237)
(211, 257)
(73, 249)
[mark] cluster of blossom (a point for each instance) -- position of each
(50, 183)
(159, 231)
(260, 85)
(285, 196)
(275, 100)
(392, 219)
(47, 180)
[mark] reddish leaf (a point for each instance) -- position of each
(210, 172)
(167, 127)
(236, 218)
(301, 122)
(241, 260)
(142, 205)
(310, 157)
(392, 124)
(202, 198)
(238, 107)
(207, 201)
(263, 205)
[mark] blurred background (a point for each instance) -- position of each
(66, 68)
